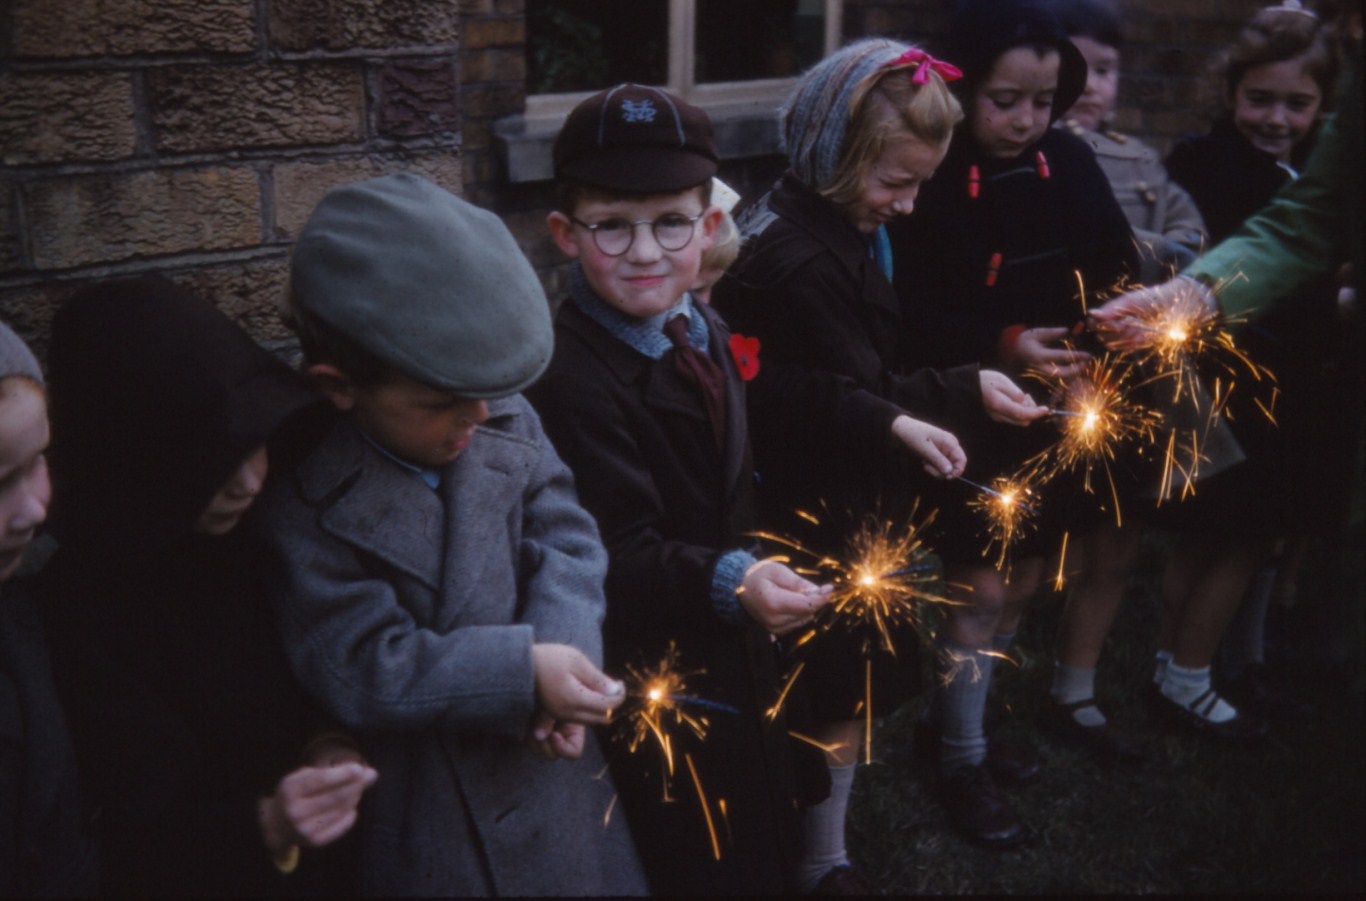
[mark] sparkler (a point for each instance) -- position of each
(880, 583)
(1099, 414)
(1008, 513)
(1190, 347)
(662, 697)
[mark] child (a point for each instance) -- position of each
(988, 270)
(657, 437)
(44, 848)
(863, 130)
(439, 588)
(1165, 221)
(1275, 81)
(207, 763)
(725, 247)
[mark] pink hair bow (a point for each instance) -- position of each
(927, 63)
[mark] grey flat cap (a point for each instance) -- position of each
(16, 358)
(429, 283)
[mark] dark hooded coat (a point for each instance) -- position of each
(182, 707)
(998, 245)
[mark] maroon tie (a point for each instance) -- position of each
(699, 368)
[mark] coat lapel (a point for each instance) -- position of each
(386, 511)
(487, 477)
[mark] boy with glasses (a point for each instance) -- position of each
(645, 400)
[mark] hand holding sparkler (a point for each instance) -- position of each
(1127, 322)
(943, 456)
(1035, 349)
(779, 599)
(1007, 402)
(570, 689)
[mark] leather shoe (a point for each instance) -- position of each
(976, 808)
(1192, 719)
(1103, 740)
(1010, 762)
(1013, 762)
(841, 880)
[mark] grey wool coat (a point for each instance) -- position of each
(411, 613)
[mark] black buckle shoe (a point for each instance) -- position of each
(977, 809)
(1104, 740)
(1193, 718)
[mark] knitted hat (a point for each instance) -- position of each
(817, 115)
(16, 358)
(983, 30)
(636, 139)
(426, 282)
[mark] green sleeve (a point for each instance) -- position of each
(1301, 235)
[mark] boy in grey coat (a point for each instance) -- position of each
(439, 587)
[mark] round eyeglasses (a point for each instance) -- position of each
(614, 237)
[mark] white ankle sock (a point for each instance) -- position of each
(1185, 686)
(1160, 668)
(1077, 683)
(823, 829)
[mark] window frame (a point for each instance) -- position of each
(681, 66)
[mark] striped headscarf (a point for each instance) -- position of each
(818, 112)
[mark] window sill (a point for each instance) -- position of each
(744, 128)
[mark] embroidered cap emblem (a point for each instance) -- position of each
(638, 110)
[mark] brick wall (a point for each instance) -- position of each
(193, 137)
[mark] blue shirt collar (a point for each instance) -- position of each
(428, 475)
(645, 335)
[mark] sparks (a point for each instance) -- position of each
(1103, 414)
(1007, 507)
(661, 695)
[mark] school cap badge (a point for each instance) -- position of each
(636, 139)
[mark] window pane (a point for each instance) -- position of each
(587, 45)
(758, 38)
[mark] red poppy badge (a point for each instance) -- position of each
(746, 354)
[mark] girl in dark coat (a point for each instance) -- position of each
(1276, 80)
(44, 848)
(205, 765)
(987, 270)
(863, 130)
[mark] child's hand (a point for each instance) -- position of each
(1007, 402)
(569, 688)
(1035, 350)
(943, 455)
(313, 806)
(557, 741)
(778, 599)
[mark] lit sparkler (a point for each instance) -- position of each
(659, 712)
(660, 693)
(1099, 414)
(1007, 505)
(885, 576)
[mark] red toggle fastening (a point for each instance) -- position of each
(1042, 162)
(993, 268)
(974, 182)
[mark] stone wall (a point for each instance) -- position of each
(193, 137)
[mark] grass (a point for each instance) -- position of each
(1288, 815)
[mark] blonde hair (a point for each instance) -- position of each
(725, 247)
(890, 107)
